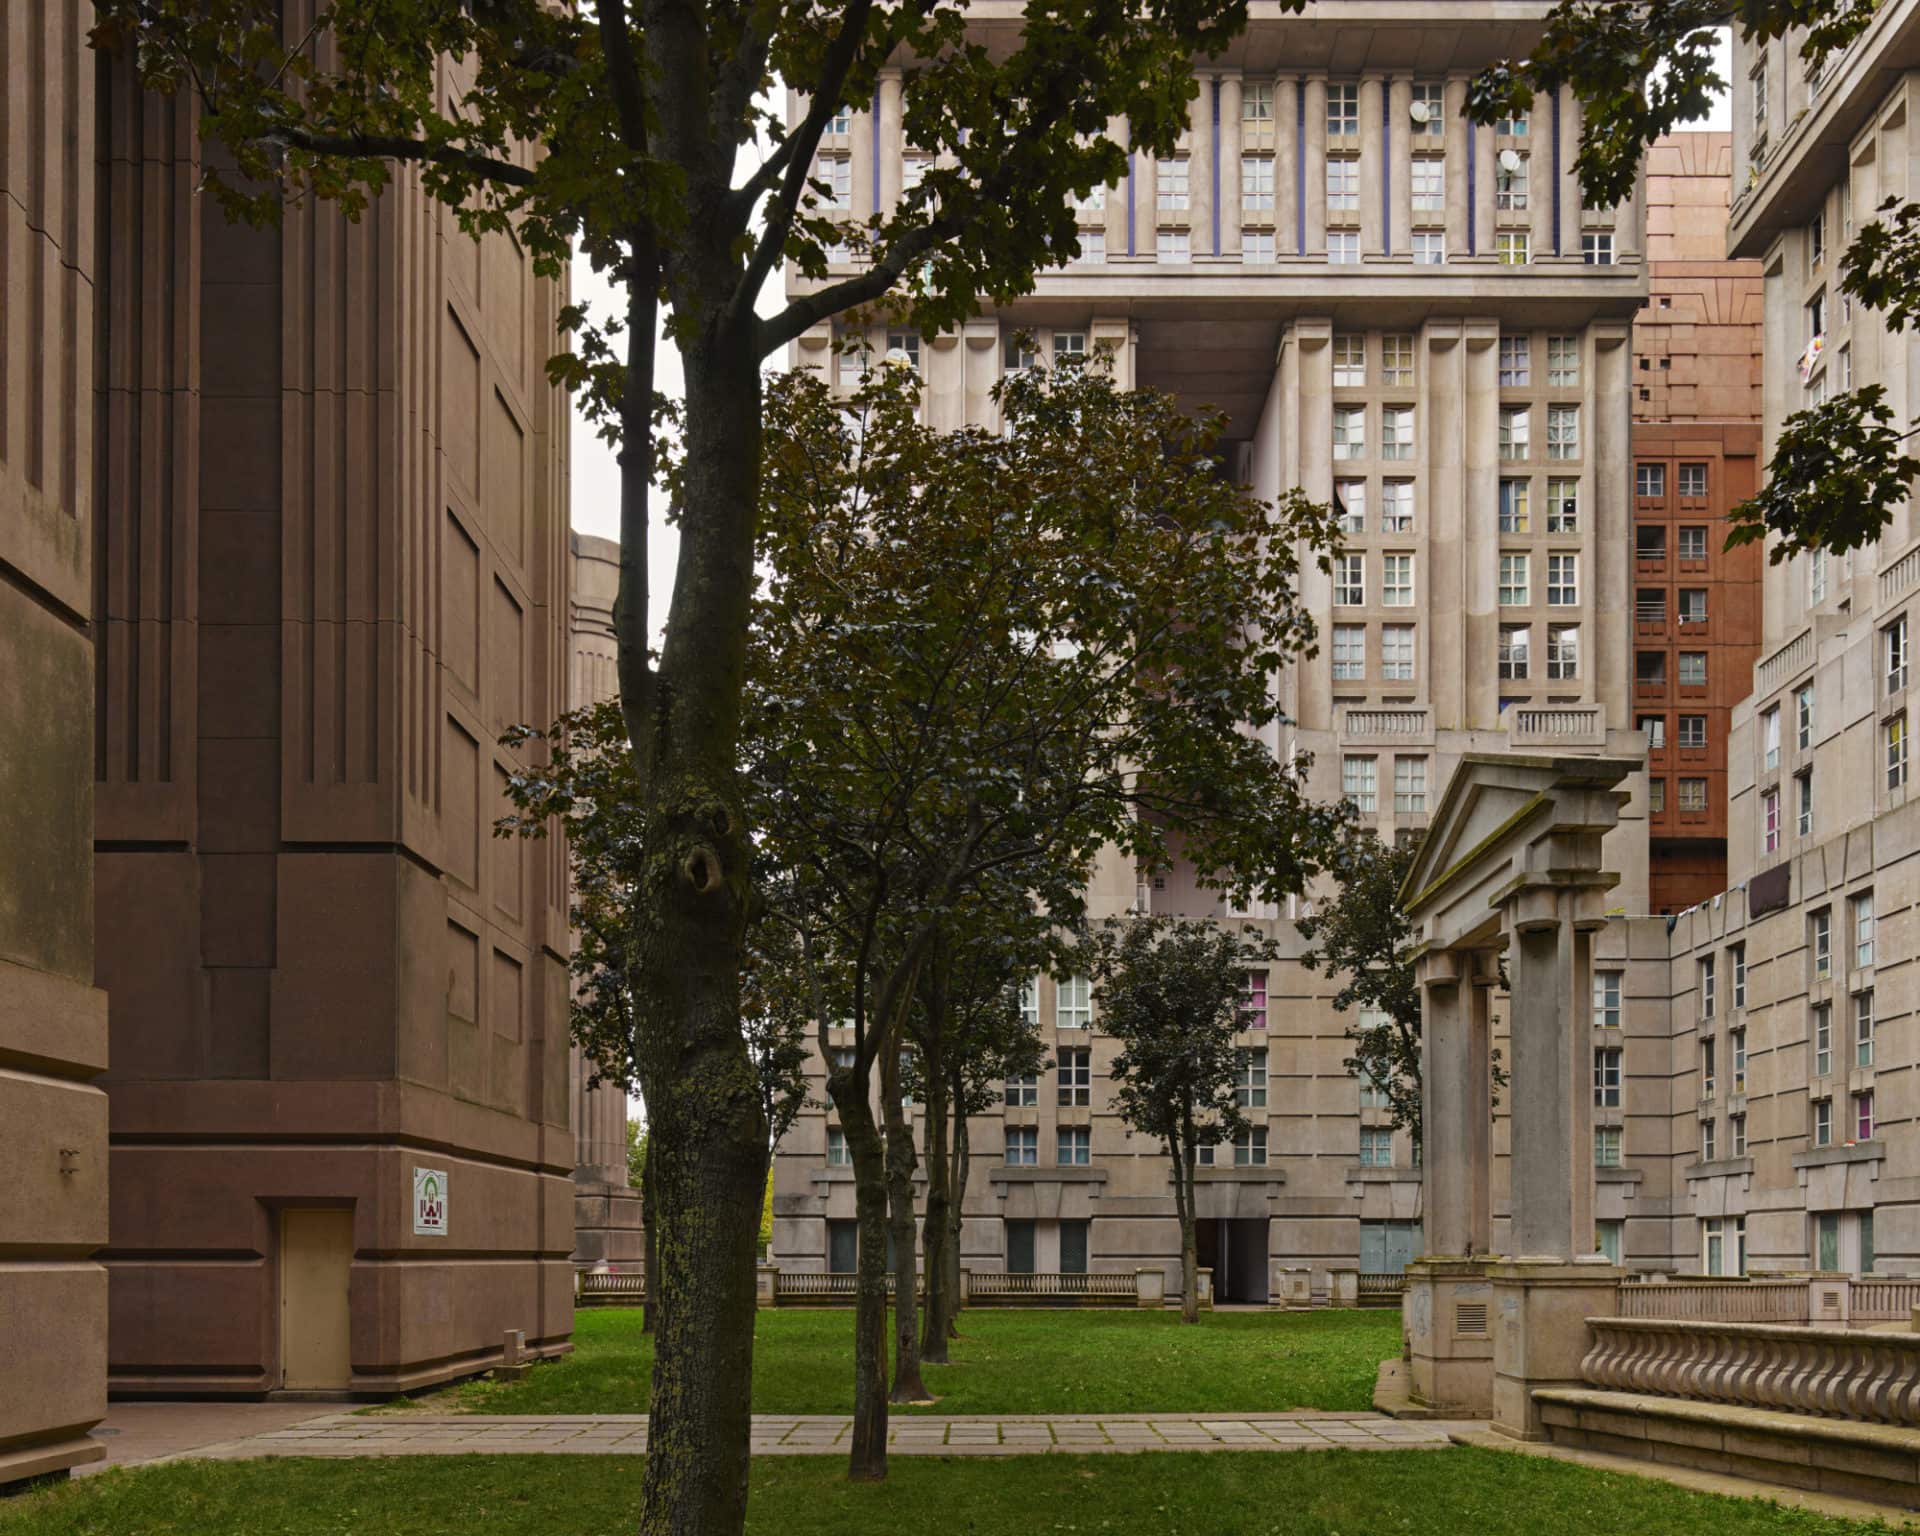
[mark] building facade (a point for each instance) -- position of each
(1696, 433)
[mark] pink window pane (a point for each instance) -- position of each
(1253, 1012)
(1863, 1116)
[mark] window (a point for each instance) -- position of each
(1895, 732)
(1649, 543)
(1072, 1004)
(1376, 1146)
(1396, 581)
(1396, 359)
(1563, 431)
(1894, 645)
(1820, 940)
(1075, 1070)
(841, 122)
(1863, 1028)
(1563, 652)
(1514, 425)
(1843, 364)
(1596, 247)
(1343, 108)
(1757, 83)
(835, 172)
(904, 345)
(1510, 186)
(1256, 245)
(1709, 1079)
(1396, 506)
(1723, 1245)
(1429, 110)
(1655, 727)
(1094, 203)
(1023, 1146)
(1693, 731)
(1650, 480)
(1803, 801)
(1656, 796)
(1256, 102)
(1016, 357)
(1515, 640)
(1737, 1133)
(1708, 1146)
(1823, 1122)
(1817, 577)
(1512, 247)
(1737, 1045)
(1803, 716)
(1823, 1040)
(1817, 316)
(1515, 581)
(1373, 1094)
(1737, 956)
(1650, 606)
(1429, 184)
(1349, 360)
(1513, 126)
(1256, 183)
(1606, 1077)
(1429, 248)
(1350, 497)
(1650, 669)
(1770, 821)
(1863, 1115)
(1253, 1000)
(1396, 432)
(1349, 432)
(1514, 516)
(1862, 906)
(1708, 980)
(1359, 783)
(1396, 653)
(843, 1059)
(1770, 739)
(1068, 344)
(1343, 249)
(1174, 246)
(1693, 543)
(1563, 506)
(1250, 1148)
(1250, 1078)
(1343, 185)
(837, 1154)
(1607, 1239)
(1170, 185)
(1563, 581)
(1409, 785)
(1693, 796)
(1563, 362)
(1349, 580)
(1516, 361)
(1606, 1146)
(1349, 653)
(1023, 1091)
(1693, 669)
(1816, 241)
(1074, 1146)
(1606, 999)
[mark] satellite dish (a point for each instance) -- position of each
(1421, 112)
(1509, 159)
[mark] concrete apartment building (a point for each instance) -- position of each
(1696, 433)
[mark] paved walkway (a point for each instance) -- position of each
(343, 1434)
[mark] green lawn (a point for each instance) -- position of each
(1304, 1493)
(1009, 1362)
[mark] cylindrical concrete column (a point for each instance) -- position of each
(1453, 1124)
(887, 135)
(1289, 168)
(1202, 152)
(1374, 143)
(1460, 137)
(1313, 162)
(1399, 167)
(1229, 152)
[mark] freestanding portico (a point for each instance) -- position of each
(1509, 877)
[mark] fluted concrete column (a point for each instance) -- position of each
(1374, 145)
(1202, 159)
(1400, 166)
(1228, 149)
(1313, 162)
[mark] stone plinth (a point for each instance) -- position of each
(1447, 1312)
(1540, 1332)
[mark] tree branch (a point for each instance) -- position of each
(370, 146)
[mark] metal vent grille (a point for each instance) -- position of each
(1470, 1317)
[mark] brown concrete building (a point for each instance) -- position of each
(53, 1022)
(1696, 434)
(330, 567)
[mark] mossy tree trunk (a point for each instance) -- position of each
(901, 1162)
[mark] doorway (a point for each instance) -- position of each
(316, 1261)
(1235, 1249)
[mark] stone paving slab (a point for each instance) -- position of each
(790, 1435)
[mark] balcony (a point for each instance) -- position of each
(1402, 725)
(1557, 725)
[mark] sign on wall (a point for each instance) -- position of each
(429, 1202)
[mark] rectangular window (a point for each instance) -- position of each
(1396, 360)
(835, 173)
(1606, 999)
(1429, 248)
(1349, 431)
(1708, 1146)
(1709, 1078)
(1376, 1146)
(1563, 652)
(1863, 1115)
(1250, 1077)
(1023, 1146)
(1068, 344)
(1596, 248)
(1349, 361)
(1693, 605)
(1343, 184)
(1607, 1236)
(1737, 1046)
(1563, 431)
(1512, 247)
(1513, 126)
(1606, 1146)
(1650, 669)
(1349, 580)
(1650, 480)
(1075, 1070)
(837, 1154)
(1757, 89)
(1510, 183)
(1359, 783)
(1514, 513)
(1737, 1131)
(1409, 785)
(1256, 246)
(1693, 480)
(1817, 577)
(1429, 110)
(1516, 361)
(1738, 957)
(1373, 1095)
(1823, 1123)
(1396, 653)
(1396, 506)
(1563, 581)
(1343, 109)
(1803, 801)
(1515, 423)
(1862, 906)
(1253, 1000)
(1515, 642)
(1649, 543)
(1655, 727)
(1350, 500)
(1349, 653)
(1343, 248)
(1863, 1028)
(1073, 1004)
(1170, 185)
(1563, 506)
(1396, 432)
(1396, 581)
(1074, 1146)
(1770, 740)
(1256, 183)
(1023, 1091)
(1250, 1148)
(1894, 646)
(1515, 581)
(1429, 181)
(1693, 796)
(1656, 796)
(1693, 731)
(1803, 716)
(1256, 101)
(1693, 669)
(1563, 362)
(1174, 246)
(1708, 982)
(1823, 1040)
(1895, 734)
(1606, 1077)
(1820, 940)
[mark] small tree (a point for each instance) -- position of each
(1173, 992)
(1361, 936)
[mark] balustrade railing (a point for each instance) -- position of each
(1775, 669)
(1729, 1301)
(985, 1285)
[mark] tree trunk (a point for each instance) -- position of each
(939, 1300)
(907, 1385)
(650, 1234)
(1189, 1250)
(708, 1130)
(957, 1204)
(867, 1456)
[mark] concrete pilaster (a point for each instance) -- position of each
(1202, 156)
(1231, 102)
(1290, 172)
(1374, 141)
(1313, 159)
(1398, 241)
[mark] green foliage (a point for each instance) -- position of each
(636, 1153)
(1361, 935)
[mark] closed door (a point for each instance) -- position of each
(1073, 1247)
(1019, 1247)
(316, 1257)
